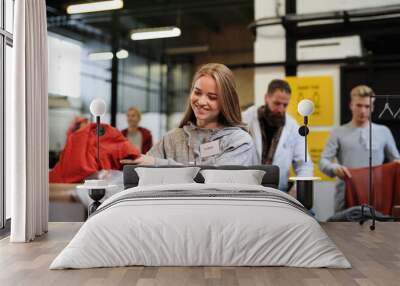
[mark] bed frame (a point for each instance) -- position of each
(270, 179)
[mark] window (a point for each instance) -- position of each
(6, 43)
(2, 205)
(7, 89)
(9, 15)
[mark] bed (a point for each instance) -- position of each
(201, 224)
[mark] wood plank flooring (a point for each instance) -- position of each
(374, 255)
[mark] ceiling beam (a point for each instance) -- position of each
(163, 10)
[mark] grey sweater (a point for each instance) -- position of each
(349, 145)
(182, 146)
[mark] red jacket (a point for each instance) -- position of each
(147, 139)
(78, 159)
(386, 187)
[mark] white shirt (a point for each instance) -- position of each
(290, 149)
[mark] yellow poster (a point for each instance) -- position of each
(316, 141)
(318, 89)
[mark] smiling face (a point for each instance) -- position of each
(205, 102)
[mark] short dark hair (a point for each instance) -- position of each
(278, 84)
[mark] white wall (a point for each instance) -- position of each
(269, 47)
(268, 8)
(64, 66)
(329, 48)
(270, 44)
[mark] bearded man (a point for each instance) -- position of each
(275, 134)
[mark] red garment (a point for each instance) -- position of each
(385, 191)
(147, 140)
(76, 124)
(78, 159)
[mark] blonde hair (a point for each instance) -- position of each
(136, 110)
(230, 114)
(361, 91)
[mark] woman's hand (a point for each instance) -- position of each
(142, 160)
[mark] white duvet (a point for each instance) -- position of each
(184, 230)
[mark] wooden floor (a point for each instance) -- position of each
(374, 255)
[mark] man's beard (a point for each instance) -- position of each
(273, 119)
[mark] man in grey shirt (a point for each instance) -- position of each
(349, 144)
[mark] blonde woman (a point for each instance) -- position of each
(211, 131)
(138, 136)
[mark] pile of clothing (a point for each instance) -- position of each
(79, 157)
(385, 194)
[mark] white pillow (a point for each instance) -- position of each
(164, 176)
(248, 177)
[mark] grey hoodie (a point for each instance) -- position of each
(182, 146)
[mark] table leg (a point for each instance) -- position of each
(305, 193)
